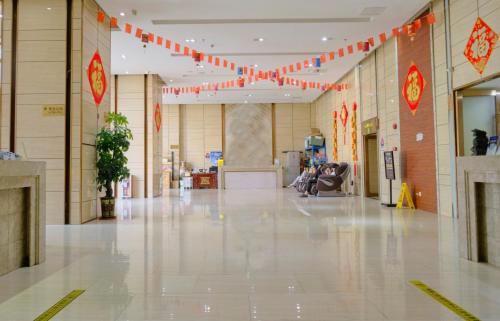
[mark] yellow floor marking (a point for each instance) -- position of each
(453, 307)
(56, 308)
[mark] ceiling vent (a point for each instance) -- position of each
(259, 21)
(373, 11)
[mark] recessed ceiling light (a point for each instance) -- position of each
(249, 95)
(324, 39)
(258, 39)
(190, 40)
(122, 14)
(124, 57)
(126, 72)
(49, 8)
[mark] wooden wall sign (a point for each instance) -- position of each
(53, 110)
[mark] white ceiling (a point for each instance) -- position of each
(284, 43)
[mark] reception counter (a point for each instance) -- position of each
(22, 214)
(250, 178)
(478, 191)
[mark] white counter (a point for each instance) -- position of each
(22, 214)
(250, 178)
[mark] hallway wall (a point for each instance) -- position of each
(200, 133)
(195, 130)
(41, 84)
(137, 98)
(248, 135)
(418, 154)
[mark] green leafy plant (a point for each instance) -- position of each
(112, 142)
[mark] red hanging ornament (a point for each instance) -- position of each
(481, 44)
(97, 78)
(158, 117)
(413, 88)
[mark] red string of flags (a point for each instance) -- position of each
(240, 82)
(276, 74)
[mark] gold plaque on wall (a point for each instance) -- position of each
(52, 110)
(174, 146)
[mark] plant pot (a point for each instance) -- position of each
(108, 207)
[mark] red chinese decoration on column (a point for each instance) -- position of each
(97, 78)
(335, 149)
(413, 88)
(481, 43)
(158, 117)
(354, 136)
(344, 115)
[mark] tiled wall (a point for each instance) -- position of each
(463, 14)
(131, 102)
(374, 87)
(41, 63)
(200, 133)
(441, 112)
(388, 114)
(332, 101)
(197, 130)
(171, 133)
(87, 119)
(6, 74)
(293, 122)
(155, 136)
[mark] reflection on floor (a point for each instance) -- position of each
(253, 255)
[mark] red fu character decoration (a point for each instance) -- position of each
(480, 46)
(157, 117)
(97, 78)
(413, 88)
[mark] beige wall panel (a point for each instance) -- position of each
(463, 14)
(40, 78)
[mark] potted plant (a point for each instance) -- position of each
(112, 142)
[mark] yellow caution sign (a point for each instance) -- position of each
(453, 307)
(61, 304)
(405, 193)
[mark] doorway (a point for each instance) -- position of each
(371, 166)
(478, 108)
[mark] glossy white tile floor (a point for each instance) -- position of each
(240, 256)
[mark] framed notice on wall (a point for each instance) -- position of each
(390, 172)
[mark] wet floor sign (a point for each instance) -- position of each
(458, 310)
(56, 308)
(405, 193)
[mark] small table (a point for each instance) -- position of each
(205, 180)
